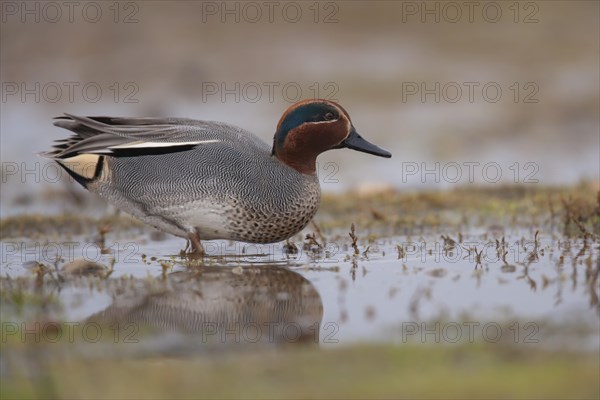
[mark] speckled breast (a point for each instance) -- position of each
(257, 222)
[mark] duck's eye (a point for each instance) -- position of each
(329, 116)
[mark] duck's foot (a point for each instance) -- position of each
(197, 248)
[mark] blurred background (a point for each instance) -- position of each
(463, 94)
(482, 93)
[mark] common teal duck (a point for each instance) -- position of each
(206, 179)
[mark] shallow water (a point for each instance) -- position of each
(542, 292)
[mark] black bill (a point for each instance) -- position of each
(355, 142)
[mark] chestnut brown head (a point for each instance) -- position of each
(311, 127)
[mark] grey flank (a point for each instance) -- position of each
(187, 176)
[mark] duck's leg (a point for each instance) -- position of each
(197, 248)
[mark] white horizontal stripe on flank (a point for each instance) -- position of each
(141, 145)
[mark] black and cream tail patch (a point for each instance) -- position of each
(84, 168)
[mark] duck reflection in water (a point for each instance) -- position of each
(257, 305)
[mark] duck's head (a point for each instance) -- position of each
(310, 127)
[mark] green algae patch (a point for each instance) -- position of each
(35, 226)
(575, 211)
(408, 371)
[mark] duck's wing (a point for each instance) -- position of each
(126, 136)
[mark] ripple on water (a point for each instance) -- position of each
(433, 289)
